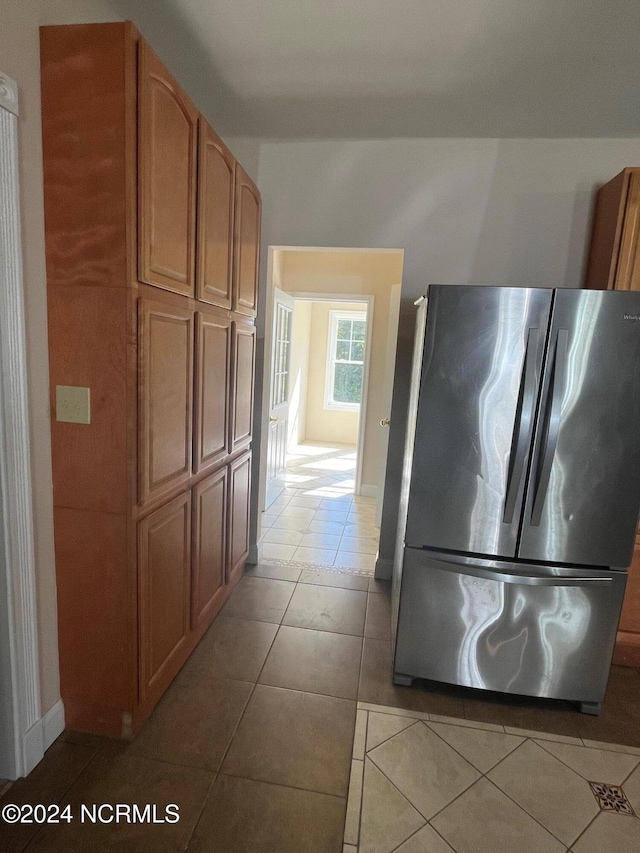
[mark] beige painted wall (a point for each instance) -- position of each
(354, 273)
(323, 424)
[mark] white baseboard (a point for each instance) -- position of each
(40, 737)
(367, 490)
(53, 724)
(383, 569)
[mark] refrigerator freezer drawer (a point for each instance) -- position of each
(538, 634)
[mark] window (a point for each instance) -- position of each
(345, 360)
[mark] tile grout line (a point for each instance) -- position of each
(282, 785)
(520, 806)
(255, 683)
(201, 812)
(364, 760)
(542, 742)
(464, 758)
(575, 841)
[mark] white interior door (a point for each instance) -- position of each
(279, 396)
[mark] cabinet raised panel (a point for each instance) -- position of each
(167, 172)
(216, 177)
(244, 341)
(209, 547)
(165, 349)
(628, 271)
(164, 554)
(247, 244)
(240, 494)
(213, 381)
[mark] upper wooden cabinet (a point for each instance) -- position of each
(614, 259)
(167, 129)
(247, 245)
(216, 188)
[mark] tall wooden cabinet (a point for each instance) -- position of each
(152, 236)
(614, 264)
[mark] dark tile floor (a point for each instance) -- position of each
(253, 740)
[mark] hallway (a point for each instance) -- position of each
(317, 519)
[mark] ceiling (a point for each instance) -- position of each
(398, 68)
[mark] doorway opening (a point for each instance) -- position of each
(330, 335)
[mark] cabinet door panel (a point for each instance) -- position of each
(216, 178)
(166, 395)
(239, 499)
(167, 175)
(213, 390)
(628, 268)
(247, 239)
(244, 340)
(209, 547)
(164, 552)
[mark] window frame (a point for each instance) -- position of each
(332, 336)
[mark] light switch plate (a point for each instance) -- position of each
(73, 404)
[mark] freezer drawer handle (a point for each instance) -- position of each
(506, 577)
(523, 424)
(552, 424)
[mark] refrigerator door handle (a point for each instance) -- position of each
(523, 424)
(524, 579)
(552, 424)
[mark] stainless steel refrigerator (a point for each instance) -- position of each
(521, 490)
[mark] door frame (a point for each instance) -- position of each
(264, 371)
(367, 300)
(270, 379)
(24, 734)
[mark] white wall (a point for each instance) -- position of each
(483, 211)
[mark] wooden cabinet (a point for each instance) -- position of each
(210, 509)
(165, 347)
(164, 578)
(247, 243)
(244, 346)
(240, 487)
(213, 390)
(152, 233)
(627, 651)
(167, 128)
(614, 257)
(614, 264)
(216, 199)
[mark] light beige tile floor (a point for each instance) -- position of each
(422, 782)
(318, 520)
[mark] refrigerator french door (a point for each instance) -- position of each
(521, 489)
